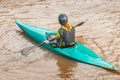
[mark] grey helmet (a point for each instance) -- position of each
(63, 19)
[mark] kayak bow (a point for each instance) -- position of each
(78, 52)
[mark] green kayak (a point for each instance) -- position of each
(79, 52)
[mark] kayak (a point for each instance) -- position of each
(79, 52)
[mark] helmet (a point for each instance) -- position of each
(63, 19)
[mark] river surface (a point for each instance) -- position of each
(100, 32)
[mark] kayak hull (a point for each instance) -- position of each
(79, 52)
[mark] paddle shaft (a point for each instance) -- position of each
(27, 51)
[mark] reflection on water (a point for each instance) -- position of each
(65, 65)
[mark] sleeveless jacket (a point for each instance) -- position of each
(66, 37)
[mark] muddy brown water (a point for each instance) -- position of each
(101, 33)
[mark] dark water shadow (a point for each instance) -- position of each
(65, 65)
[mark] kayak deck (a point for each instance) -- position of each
(79, 52)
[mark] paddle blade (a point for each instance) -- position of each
(81, 23)
(27, 51)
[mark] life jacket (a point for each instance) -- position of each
(66, 37)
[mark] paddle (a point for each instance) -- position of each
(28, 50)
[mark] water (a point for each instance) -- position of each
(101, 33)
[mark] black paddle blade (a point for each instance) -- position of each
(81, 23)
